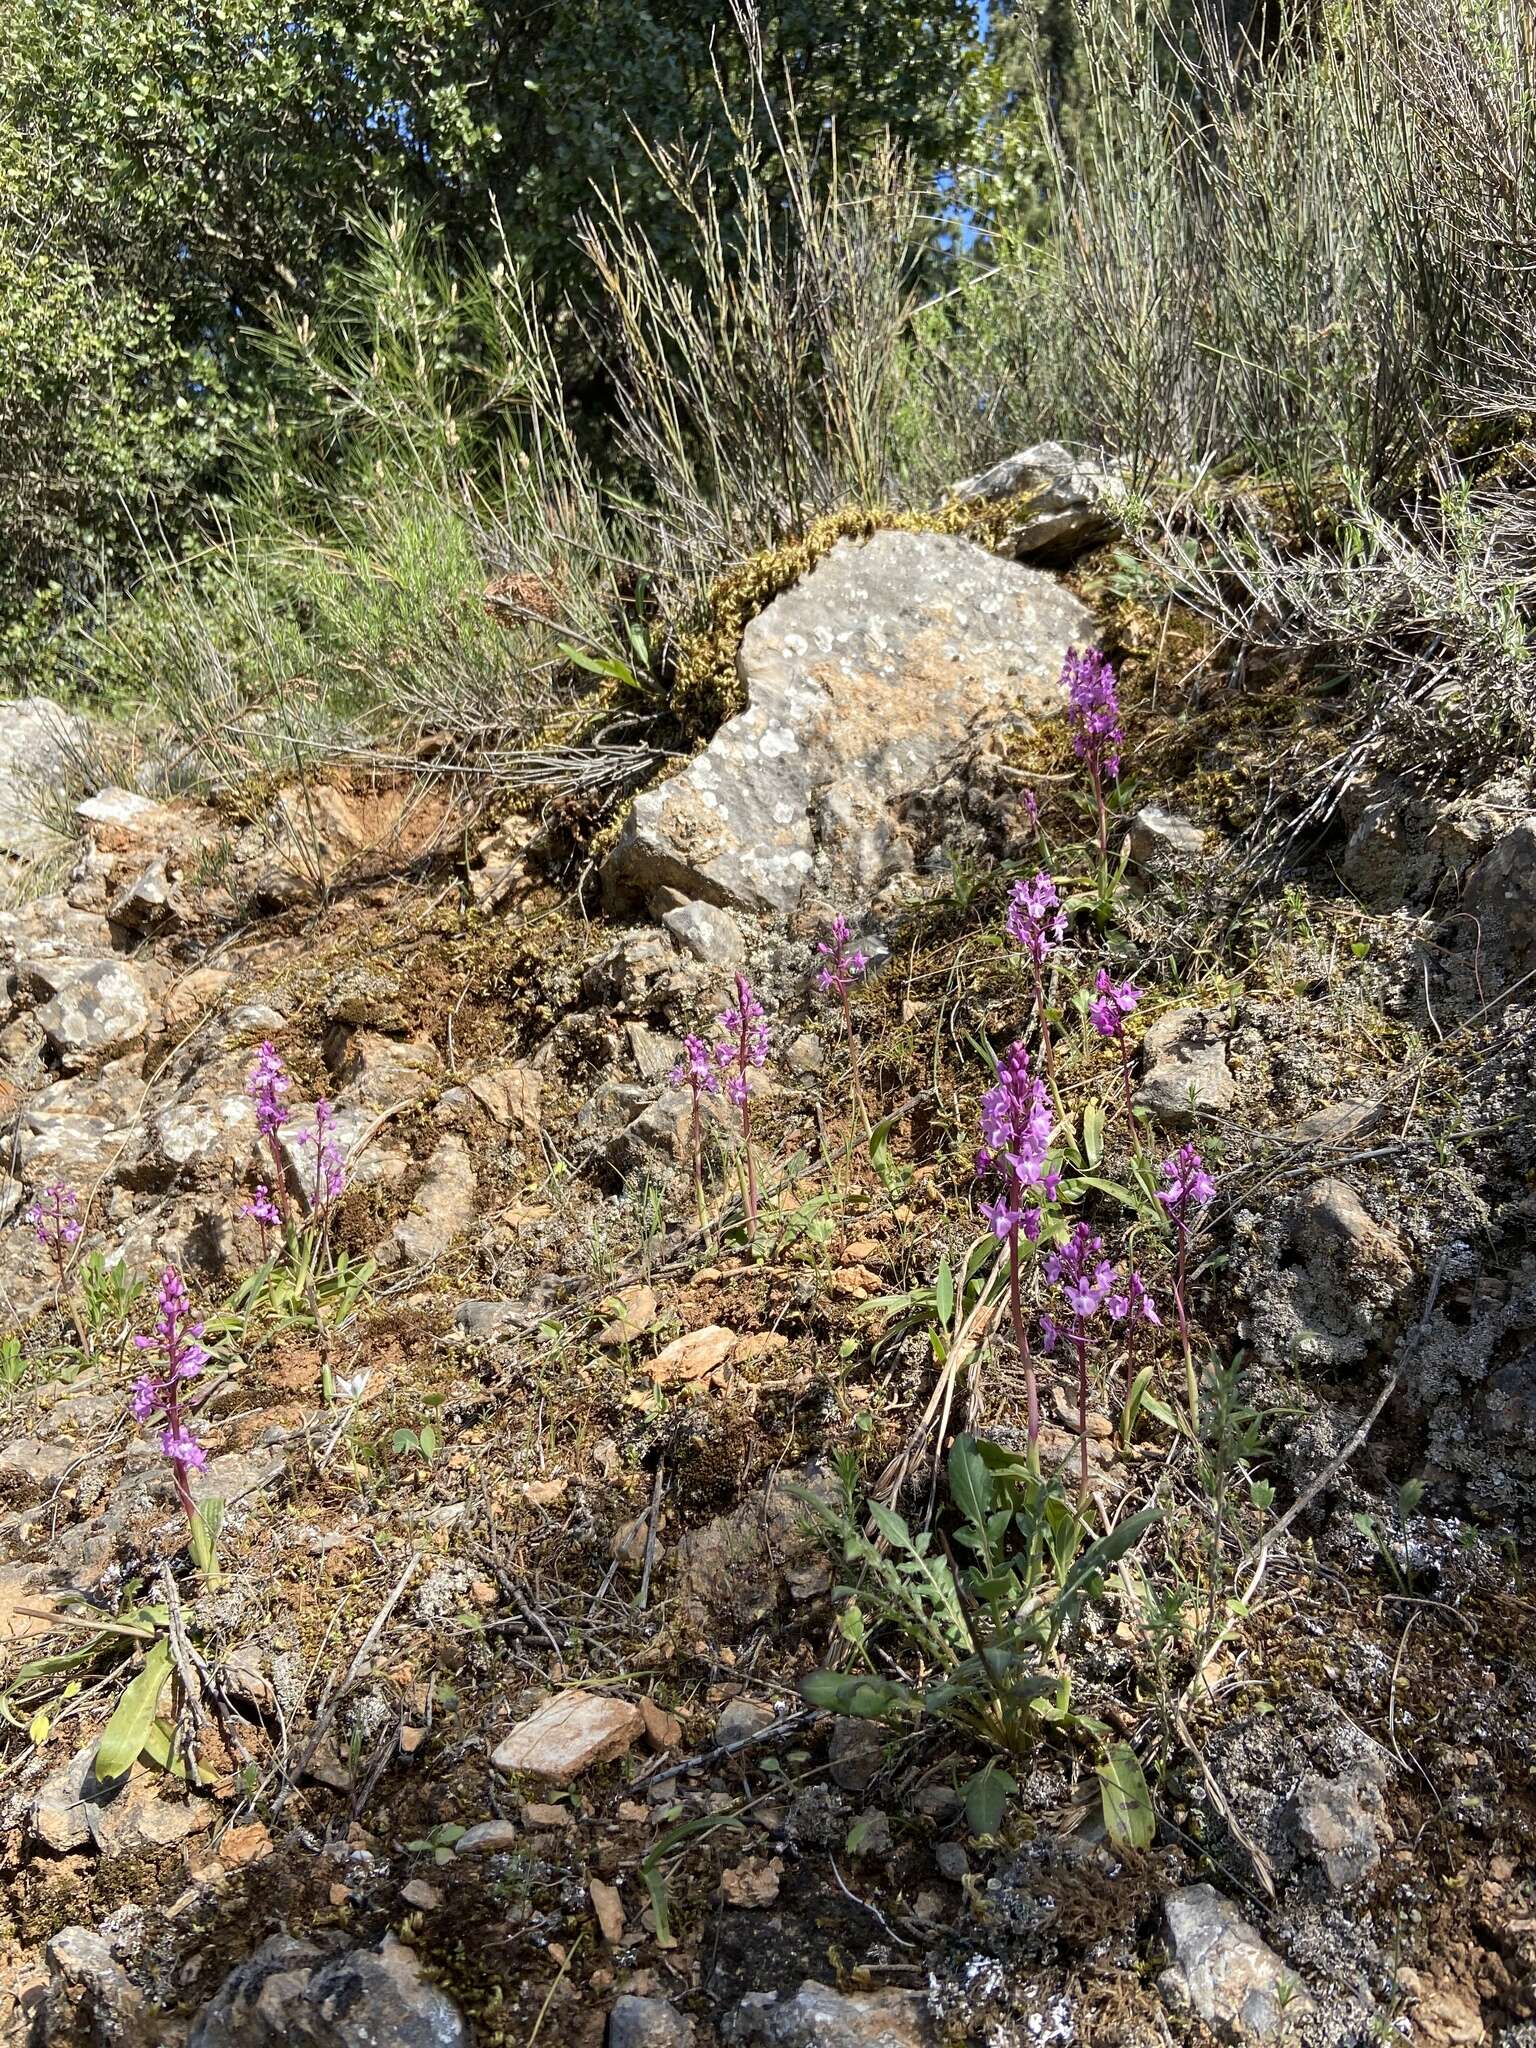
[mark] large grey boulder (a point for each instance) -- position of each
(861, 682)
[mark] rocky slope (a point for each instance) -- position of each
(489, 1728)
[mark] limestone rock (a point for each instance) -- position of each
(444, 1206)
(576, 1732)
(287, 1997)
(139, 1817)
(1164, 838)
(91, 1997)
(732, 1570)
(861, 681)
(114, 811)
(50, 928)
(634, 1311)
(94, 1007)
(648, 2023)
(511, 1095)
(61, 1811)
(817, 2016)
(1222, 1971)
(375, 1163)
(855, 1752)
(1501, 895)
(1068, 503)
(39, 740)
(375, 1072)
(482, 1321)
(1349, 1275)
(1184, 1067)
(150, 903)
(739, 1720)
(1341, 1823)
(200, 1139)
(708, 933)
(488, 1838)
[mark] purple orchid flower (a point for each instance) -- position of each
(744, 1047)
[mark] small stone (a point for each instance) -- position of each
(1341, 1822)
(480, 1321)
(444, 1206)
(952, 1861)
(739, 1720)
(575, 1732)
(1184, 1067)
(367, 1998)
(633, 1310)
(537, 1814)
(753, 1885)
(421, 1894)
(663, 1731)
(941, 1804)
(91, 1997)
(806, 1054)
(1222, 1971)
(242, 1846)
(61, 1812)
(1067, 502)
(709, 934)
(692, 1357)
(1501, 896)
(150, 904)
(488, 1838)
(609, 1908)
(139, 1818)
(655, 1053)
(122, 811)
(819, 2017)
(1160, 837)
(648, 2023)
(856, 1753)
(870, 1836)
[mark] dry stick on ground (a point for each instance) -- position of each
(328, 1711)
(723, 1749)
(644, 1594)
(508, 1583)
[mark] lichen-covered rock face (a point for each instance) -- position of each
(1184, 1068)
(861, 682)
(816, 2016)
(1501, 896)
(1066, 502)
(287, 1994)
(94, 1007)
(1224, 1974)
(1330, 1284)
